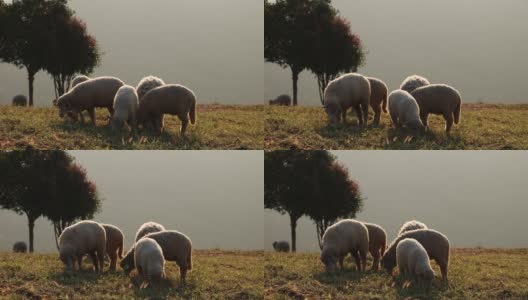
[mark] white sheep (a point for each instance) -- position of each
(413, 82)
(281, 246)
(87, 95)
(78, 79)
(348, 90)
(413, 261)
(148, 83)
(84, 237)
(146, 228)
(345, 236)
(411, 225)
(125, 107)
(404, 110)
(149, 259)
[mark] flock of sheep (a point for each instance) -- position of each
(411, 250)
(143, 105)
(153, 246)
(409, 106)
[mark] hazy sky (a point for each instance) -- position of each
(215, 197)
(477, 46)
(213, 47)
(476, 198)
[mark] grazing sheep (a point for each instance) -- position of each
(377, 243)
(176, 247)
(413, 82)
(171, 99)
(125, 107)
(78, 79)
(281, 100)
(281, 246)
(435, 243)
(19, 100)
(348, 90)
(127, 262)
(149, 260)
(84, 237)
(87, 95)
(345, 236)
(114, 244)
(378, 97)
(439, 99)
(148, 83)
(412, 225)
(413, 260)
(404, 110)
(20, 247)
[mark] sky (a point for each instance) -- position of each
(476, 198)
(213, 47)
(477, 46)
(214, 197)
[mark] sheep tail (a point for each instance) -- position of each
(189, 261)
(457, 112)
(192, 113)
(384, 104)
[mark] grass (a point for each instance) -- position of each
(216, 275)
(218, 127)
(473, 274)
(482, 126)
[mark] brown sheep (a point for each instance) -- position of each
(114, 244)
(439, 99)
(377, 243)
(378, 97)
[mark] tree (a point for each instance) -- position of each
(45, 183)
(335, 195)
(290, 33)
(337, 50)
(26, 32)
(73, 51)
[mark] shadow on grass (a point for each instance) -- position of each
(406, 139)
(76, 278)
(162, 289)
(127, 138)
(412, 289)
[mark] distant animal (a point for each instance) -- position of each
(20, 247)
(19, 100)
(378, 98)
(281, 100)
(281, 246)
(348, 90)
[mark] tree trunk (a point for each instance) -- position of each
(295, 78)
(31, 79)
(293, 225)
(31, 226)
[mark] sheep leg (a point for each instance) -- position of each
(359, 115)
(341, 259)
(91, 112)
(185, 122)
(377, 114)
(424, 116)
(158, 123)
(94, 261)
(443, 269)
(113, 261)
(376, 257)
(363, 255)
(183, 275)
(81, 117)
(402, 271)
(365, 109)
(394, 119)
(449, 122)
(101, 256)
(355, 254)
(343, 116)
(79, 261)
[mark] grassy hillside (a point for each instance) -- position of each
(215, 275)
(218, 127)
(473, 274)
(483, 126)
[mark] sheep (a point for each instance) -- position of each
(78, 79)
(281, 100)
(378, 98)
(404, 110)
(87, 95)
(148, 83)
(377, 243)
(345, 236)
(348, 90)
(435, 243)
(281, 246)
(439, 99)
(413, 260)
(176, 247)
(84, 237)
(125, 107)
(19, 100)
(171, 99)
(20, 247)
(413, 82)
(127, 262)
(114, 244)
(149, 260)
(412, 225)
